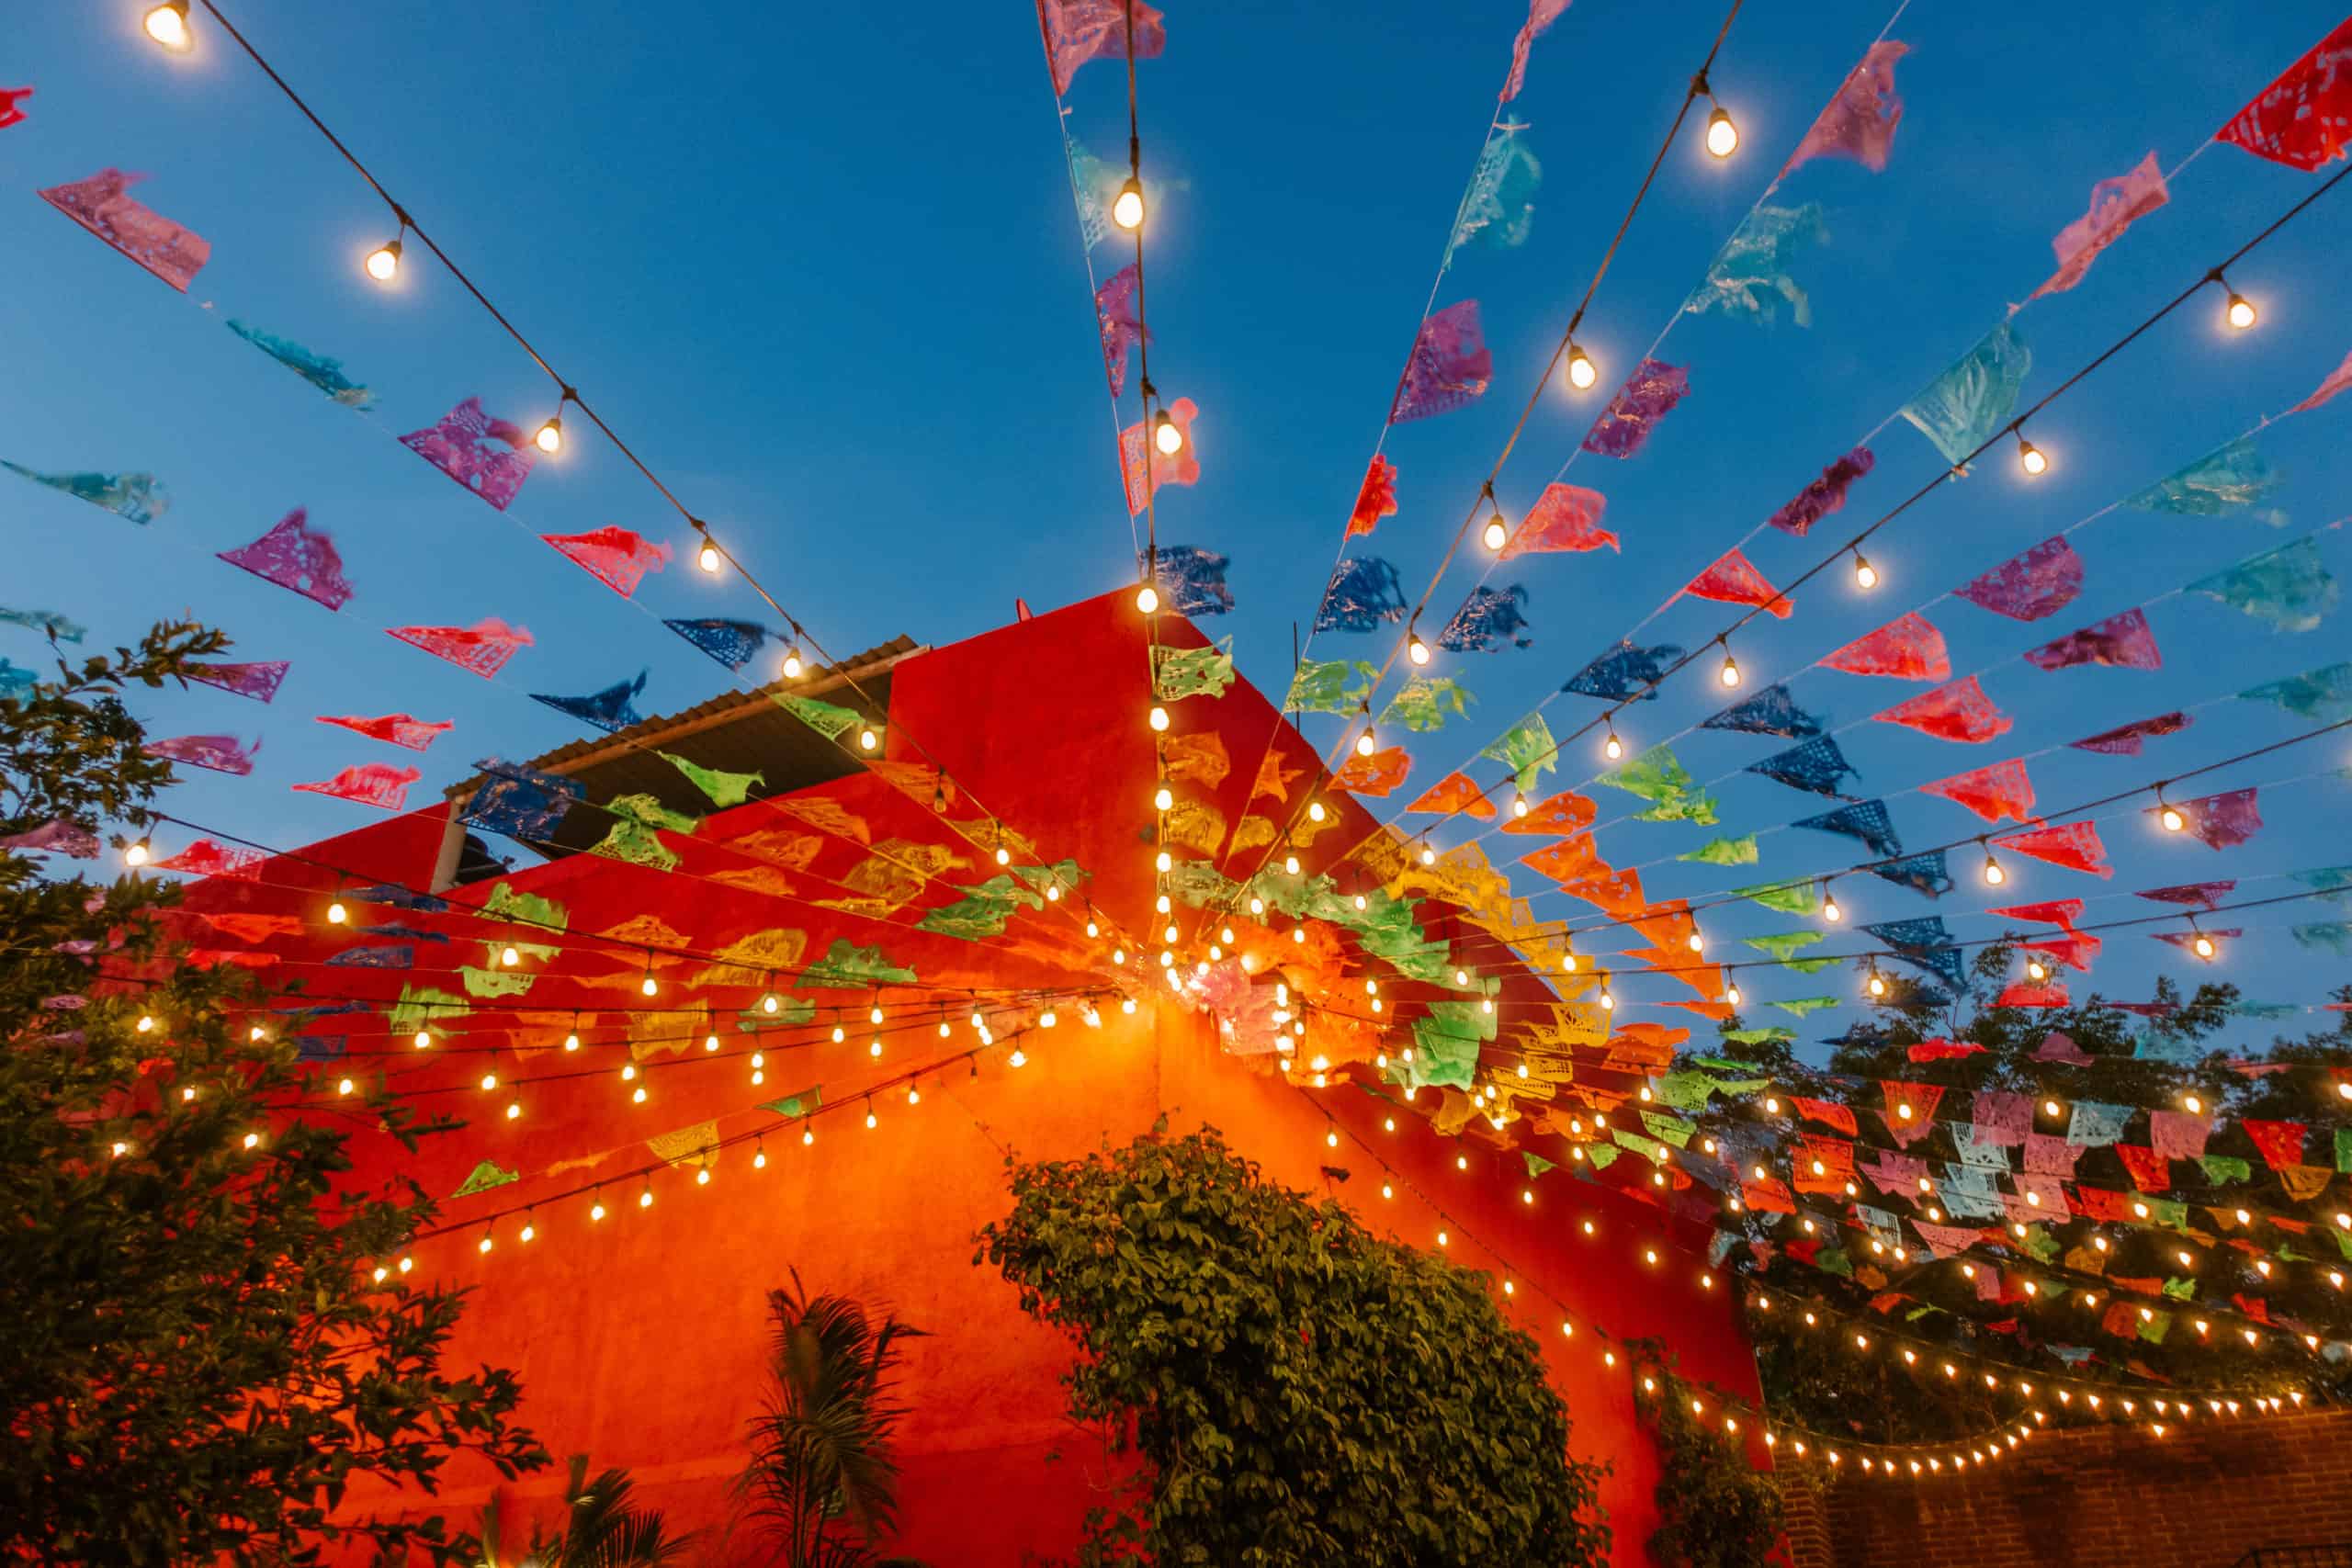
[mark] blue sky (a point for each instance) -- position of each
(819, 264)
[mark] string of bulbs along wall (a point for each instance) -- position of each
(169, 25)
(2031, 462)
(1721, 140)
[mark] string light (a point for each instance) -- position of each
(167, 25)
(1994, 875)
(1126, 208)
(2169, 815)
(1366, 744)
(1167, 435)
(424, 1039)
(2236, 310)
(1877, 982)
(1148, 598)
(792, 665)
(708, 558)
(137, 853)
(1723, 136)
(2031, 458)
(147, 1026)
(1497, 533)
(1612, 748)
(1414, 648)
(336, 914)
(510, 955)
(1159, 717)
(1729, 674)
(1731, 993)
(1829, 909)
(1865, 574)
(550, 439)
(650, 986)
(1582, 372)
(2204, 944)
(1518, 807)
(867, 739)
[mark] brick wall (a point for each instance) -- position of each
(2093, 1497)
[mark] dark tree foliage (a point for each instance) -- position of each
(196, 1362)
(1715, 1510)
(1812, 1376)
(1302, 1391)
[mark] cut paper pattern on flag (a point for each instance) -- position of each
(2323, 695)
(2325, 936)
(1449, 367)
(1363, 593)
(2287, 587)
(1425, 701)
(1865, 820)
(370, 784)
(258, 681)
(1530, 751)
(1114, 312)
(1180, 672)
(488, 456)
(1323, 685)
(2125, 642)
(1192, 579)
(99, 204)
(2232, 478)
(2075, 846)
(2337, 380)
(2220, 821)
(609, 710)
(1734, 579)
(829, 719)
(1377, 500)
(632, 836)
(1541, 14)
(2117, 203)
(293, 555)
(205, 858)
(724, 788)
(60, 837)
(222, 753)
(1772, 711)
(1958, 711)
(1080, 30)
(1789, 897)
(1454, 794)
(1657, 776)
(1183, 467)
(1499, 208)
(11, 102)
(2002, 790)
(1925, 872)
(480, 649)
(1824, 495)
(1818, 765)
(520, 803)
(1966, 407)
(140, 498)
(1378, 774)
(732, 643)
(397, 729)
(1924, 942)
(1567, 517)
(318, 369)
(1647, 396)
(2039, 582)
(2202, 894)
(612, 555)
(1753, 267)
(2303, 118)
(1861, 118)
(1489, 618)
(48, 622)
(1626, 674)
(1908, 647)
(2126, 739)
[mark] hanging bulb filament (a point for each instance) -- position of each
(1126, 208)
(1148, 598)
(336, 914)
(1497, 533)
(1366, 744)
(1582, 372)
(1865, 574)
(1612, 748)
(2238, 310)
(1723, 136)
(708, 558)
(167, 25)
(1167, 435)
(792, 665)
(1159, 717)
(1994, 875)
(2031, 458)
(1829, 909)
(138, 852)
(1518, 807)
(1729, 674)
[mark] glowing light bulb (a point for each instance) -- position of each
(628, 1071)
(1731, 995)
(1004, 855)
(1994, 875)
(1582, 372)
(1416, 649)
(1729, 674)
(1865, 574)
(383, 263)
(1877, 984)
(344, 1086)
(2239, 312)
(1612, 748)
(645, 1199)
(875, 1047)
(2031, 459)
(147, 1026)
(1723, 136)
(792, 665)
(649, 986)
(510, 957)
(867, 739)
(1829, 909)
(1607, 1001)
(1256, 906)
(1497, 533)
(513, 1111)
(1148, 598)
(2204, 945)
(528, 1231)
(137, 853)
(489, 1081)
(768, 1003)
(1698, 941)
(1126, 208)
(1290, 865)
(2171, 819)
(424, 1039)
(1366, 745)
(167, 25)
(2036, 970)
(1429, 855)
(1159, 717)
(550, 436)
(708, 558)
(1315, 811)
(1167, 435)
(1164, 862)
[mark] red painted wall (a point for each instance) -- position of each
(639, 1340)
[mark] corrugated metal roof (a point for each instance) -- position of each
(736, 731)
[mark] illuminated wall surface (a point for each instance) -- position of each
(638, 1338)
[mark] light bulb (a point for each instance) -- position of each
(147, 1025)
(1878, 984)
(768, 1003)
(875, 1047)
(550, 437)
(1256, 906)
(489, 1082)
(645, 1199)
(1167, 435)
(1290, 865)
(336, 914)
(1158, 716)
(2030, 458)
(1429, 855)
(2173, 820)
(1126, 208)
(513, 1111)
(1226, 936)
(344, 1086)
(867, 739)
(1518, 807)
(2193, 1102)
(2034, 970)
(383, 263)
(137, 853)
(1497, 533)
(424, 1039)
(1416, 649)
(1315, 811)
(1612, 748)
(1723, 136)
(167, 25)
(1698, 941)
(2240, 311)
(1163, 861)
(1366, 745)
(1017, 1059)
(1607, 1001)
(1865, 574)
(1829, 909)
(1147, 599)
(650, 986)
(792, 665)
(1004, 855)
(1994, 875)
(1582, 372)
(510, 955)
(2204, 945)
(1731, 995)
(1047, 1019)
(708, 558)
(1729, 674)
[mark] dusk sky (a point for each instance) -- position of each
(820, 267)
